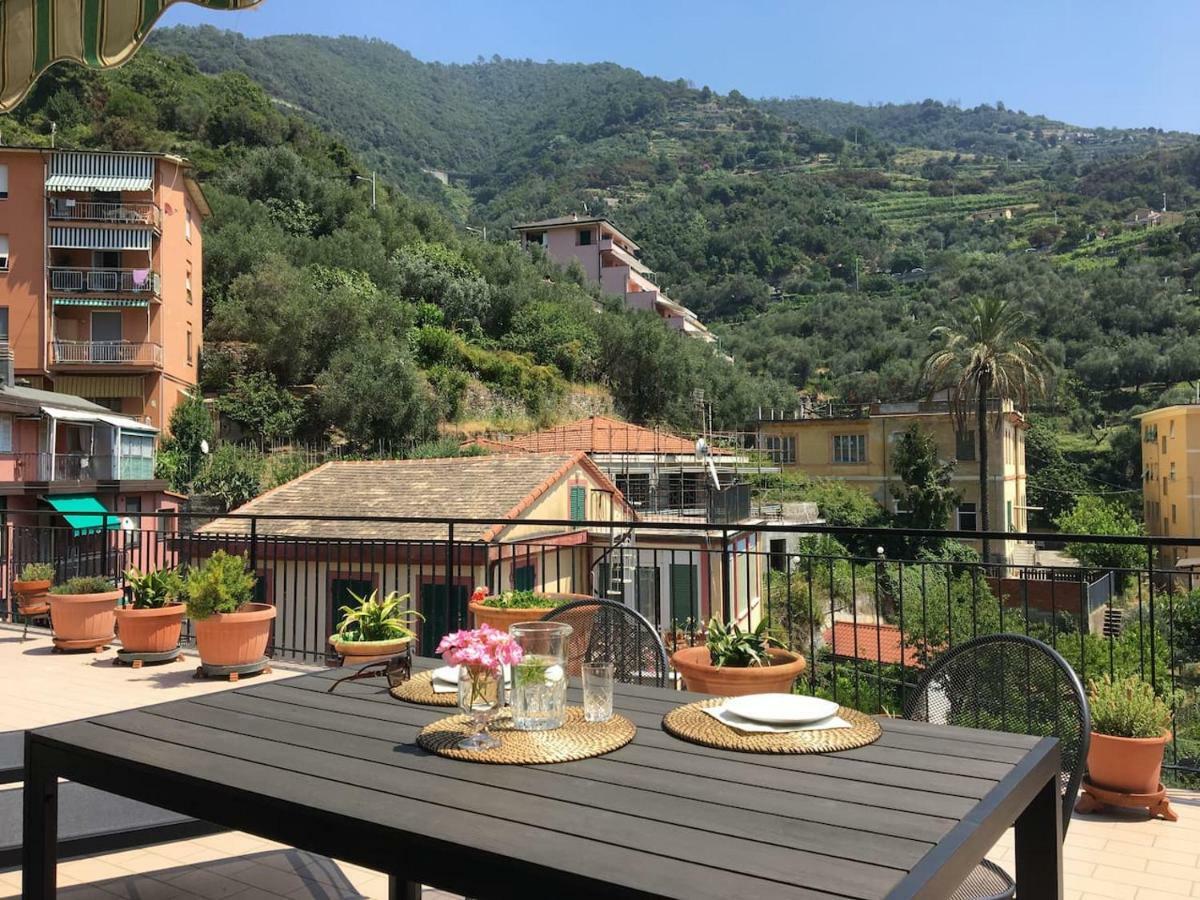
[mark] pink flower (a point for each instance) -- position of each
(485, 648)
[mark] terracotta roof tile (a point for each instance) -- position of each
(869, 642)
(481, 487)
(600, 434)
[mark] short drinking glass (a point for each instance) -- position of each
(597, 691)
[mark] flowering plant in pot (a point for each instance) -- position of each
(1130, 729)
(83, 613)
(31, 587)
(375, 628)
(733, 662)
(150, 622)
(230, 629)
(481, 656)
(502, 610)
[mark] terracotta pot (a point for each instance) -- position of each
(234, 639)
(356, 653)
(83, 621)
(502, 618)
(700, 675)
(32, 597)
(150, 630)
(1126, 765)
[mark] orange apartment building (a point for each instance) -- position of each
(610, 259)
(100, 276)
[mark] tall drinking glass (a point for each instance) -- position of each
(597, 691)
(539, 683)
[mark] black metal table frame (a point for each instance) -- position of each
(1037, 820)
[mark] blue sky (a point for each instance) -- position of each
(1090, 62)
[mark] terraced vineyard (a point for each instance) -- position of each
(909, 208)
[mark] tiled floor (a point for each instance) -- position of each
(1110, 856)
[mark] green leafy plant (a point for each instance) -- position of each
(378, 620)
(520, 600)
(154, 590)
(1127, 708)
(84, 584)
(221, 584)
(39, 571)
(730, 646)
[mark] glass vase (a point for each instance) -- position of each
(480, 696)
(539, 683)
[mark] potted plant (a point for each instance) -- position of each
(151, 623)
(1130, 729)
(375, 629)
(83, 613)
(231, 631)
(733, 662)
(501, 610)
(31, 587)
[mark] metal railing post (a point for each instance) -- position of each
(253, 544)
(450, 576)
(726, 598)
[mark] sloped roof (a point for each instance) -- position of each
(600, 434)
(496, 488)
(869, 642)
(560, 221)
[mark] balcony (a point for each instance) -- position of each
(138, 354)
(126, 213)
(105, 281)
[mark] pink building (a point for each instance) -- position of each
(610, 259)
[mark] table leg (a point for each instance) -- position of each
(39, 851)
(1039, 846)
(398, 889)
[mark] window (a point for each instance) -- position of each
(1164, 485)
(187, 221)
(1008, 515)
(1171, 428)
(106, 326)
(635, 486)
(3, 182)
(967, 517)
(536, 237)
(1164, 443)
(1174, 514)
(779, 555)
(3, 252)
(849, 448)
(3, 323)
(964, 446)
(133, 512)
(646, 587)
(585, 237)
(189, 346)
(187, 282)
(6, 436)
(1172, 471)
(163, 524)
(578, 502)
(780, 449)
(524, 577)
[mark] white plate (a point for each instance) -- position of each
(781, 709)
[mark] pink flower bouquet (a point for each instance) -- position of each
(483, 648)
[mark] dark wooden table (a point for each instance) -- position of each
(340, 774)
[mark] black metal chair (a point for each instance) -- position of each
(607, 631)
(1013, 683)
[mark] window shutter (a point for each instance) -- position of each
(6, 435)
(578, 503)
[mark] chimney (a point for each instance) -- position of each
(6, 365)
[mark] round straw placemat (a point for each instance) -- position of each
(419, 689)
(577, 739)
(690, 723)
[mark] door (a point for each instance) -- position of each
(340, 590)
(646, 595)
(106, 326)
(444, 611)
(685, 597)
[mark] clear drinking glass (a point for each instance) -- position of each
(539, 681)
(480, 696)
(597, 691)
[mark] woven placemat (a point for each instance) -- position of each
(577, 739)
(419, 689)
(690, 723)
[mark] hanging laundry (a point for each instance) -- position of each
(140, 276)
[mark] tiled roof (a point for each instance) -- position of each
(481, 487)
(600, 434)
(869, 642)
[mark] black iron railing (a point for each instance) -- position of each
(869, 608)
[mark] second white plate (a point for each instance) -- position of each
(781, 709)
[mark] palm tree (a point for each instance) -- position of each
(986, 353)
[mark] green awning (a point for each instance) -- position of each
(96, 301)
(84, 512)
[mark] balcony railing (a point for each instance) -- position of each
(140, 353)
(129, 213)
(53, 467)
(100, 281)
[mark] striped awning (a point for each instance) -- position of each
(96, 183)
(70, 238)
(91, 387)
(34, 34)
(108, 303)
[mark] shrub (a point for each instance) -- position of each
(84, 584)
(232, 474)
(520, 600)
(221, 584)
(1127, 708)
(39, 571)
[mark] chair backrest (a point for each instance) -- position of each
(1013, 683)
(607, 631)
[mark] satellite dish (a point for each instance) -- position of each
(701, 448)
(204, 447)
(127, 524)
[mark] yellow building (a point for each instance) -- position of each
(855, 445)
(1171, 472)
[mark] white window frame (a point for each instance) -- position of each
(3, 181)
(960, 511)
(4, 253)
(849, 449)
(781, 448)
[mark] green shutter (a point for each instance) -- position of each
(578, 503)
(684, 595)
(524, 577)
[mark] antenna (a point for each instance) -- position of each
(53, 131)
